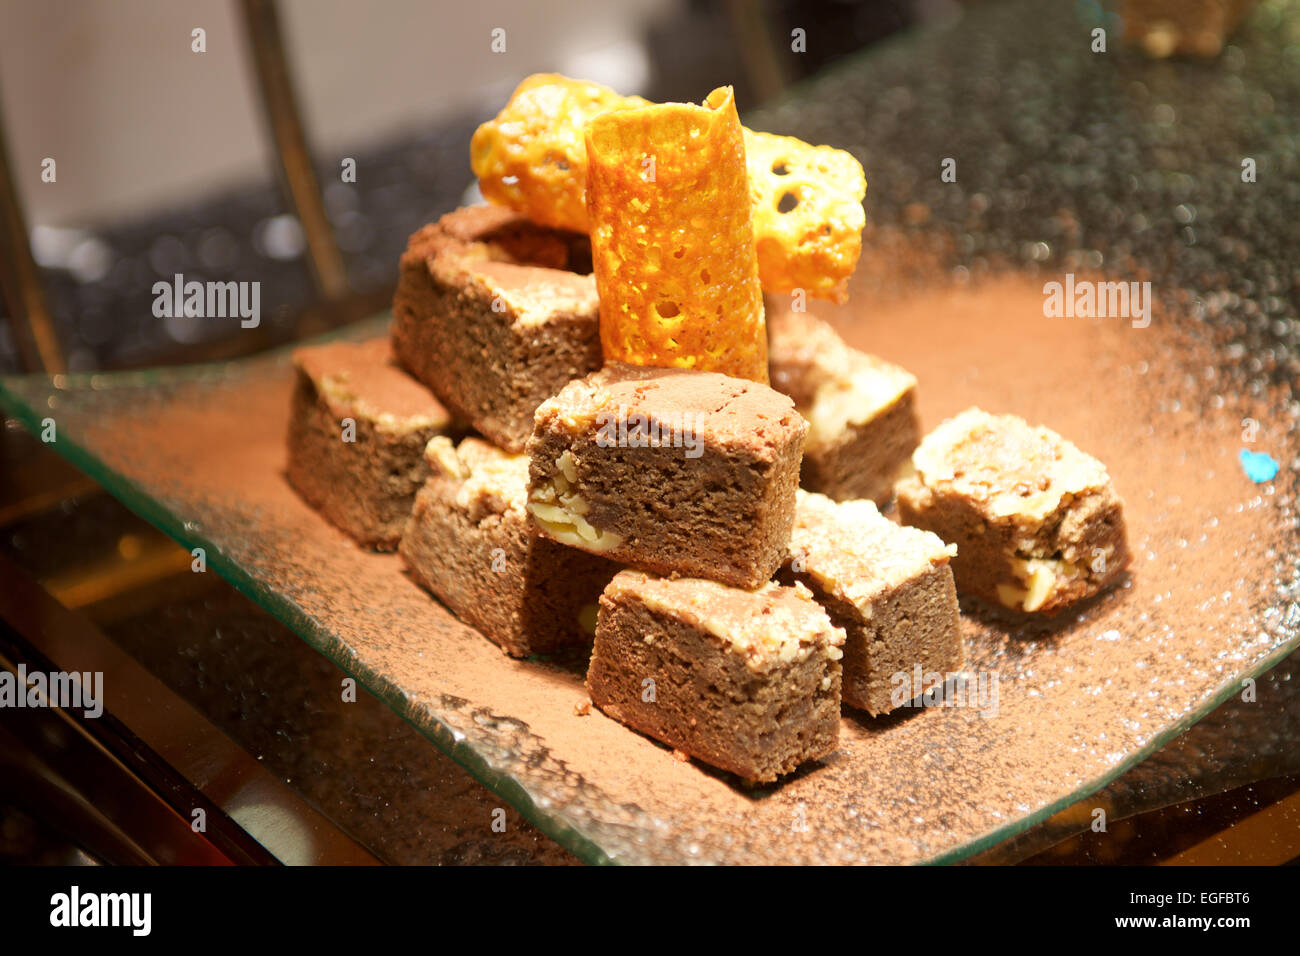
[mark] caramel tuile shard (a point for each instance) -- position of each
(672, 238)
(533, 158)
(808, 216)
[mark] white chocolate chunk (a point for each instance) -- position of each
(567, 466)
(441, 454)
(564, 520)
(1039, 577)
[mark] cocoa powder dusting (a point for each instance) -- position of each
(1078, 697)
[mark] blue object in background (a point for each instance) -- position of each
(1258, 466)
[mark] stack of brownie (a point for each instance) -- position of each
(550, 499)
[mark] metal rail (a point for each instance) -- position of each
(297, 175)
(38, 344)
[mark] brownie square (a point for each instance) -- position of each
(471, 543)
(674, 471)
(890, 588)
(861, 410)
(491, 316)
(1036, 522)
(362, 477)
(747, 681)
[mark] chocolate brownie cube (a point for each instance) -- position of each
(1036, 522)
(357, 432)
(674, 471)
(491, 316)
(891, 590)
(471, 543)
(747, 681)
(861, 410)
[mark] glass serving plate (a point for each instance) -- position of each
(1111, 168)
(200, 453)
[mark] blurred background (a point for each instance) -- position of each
(165, 162)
